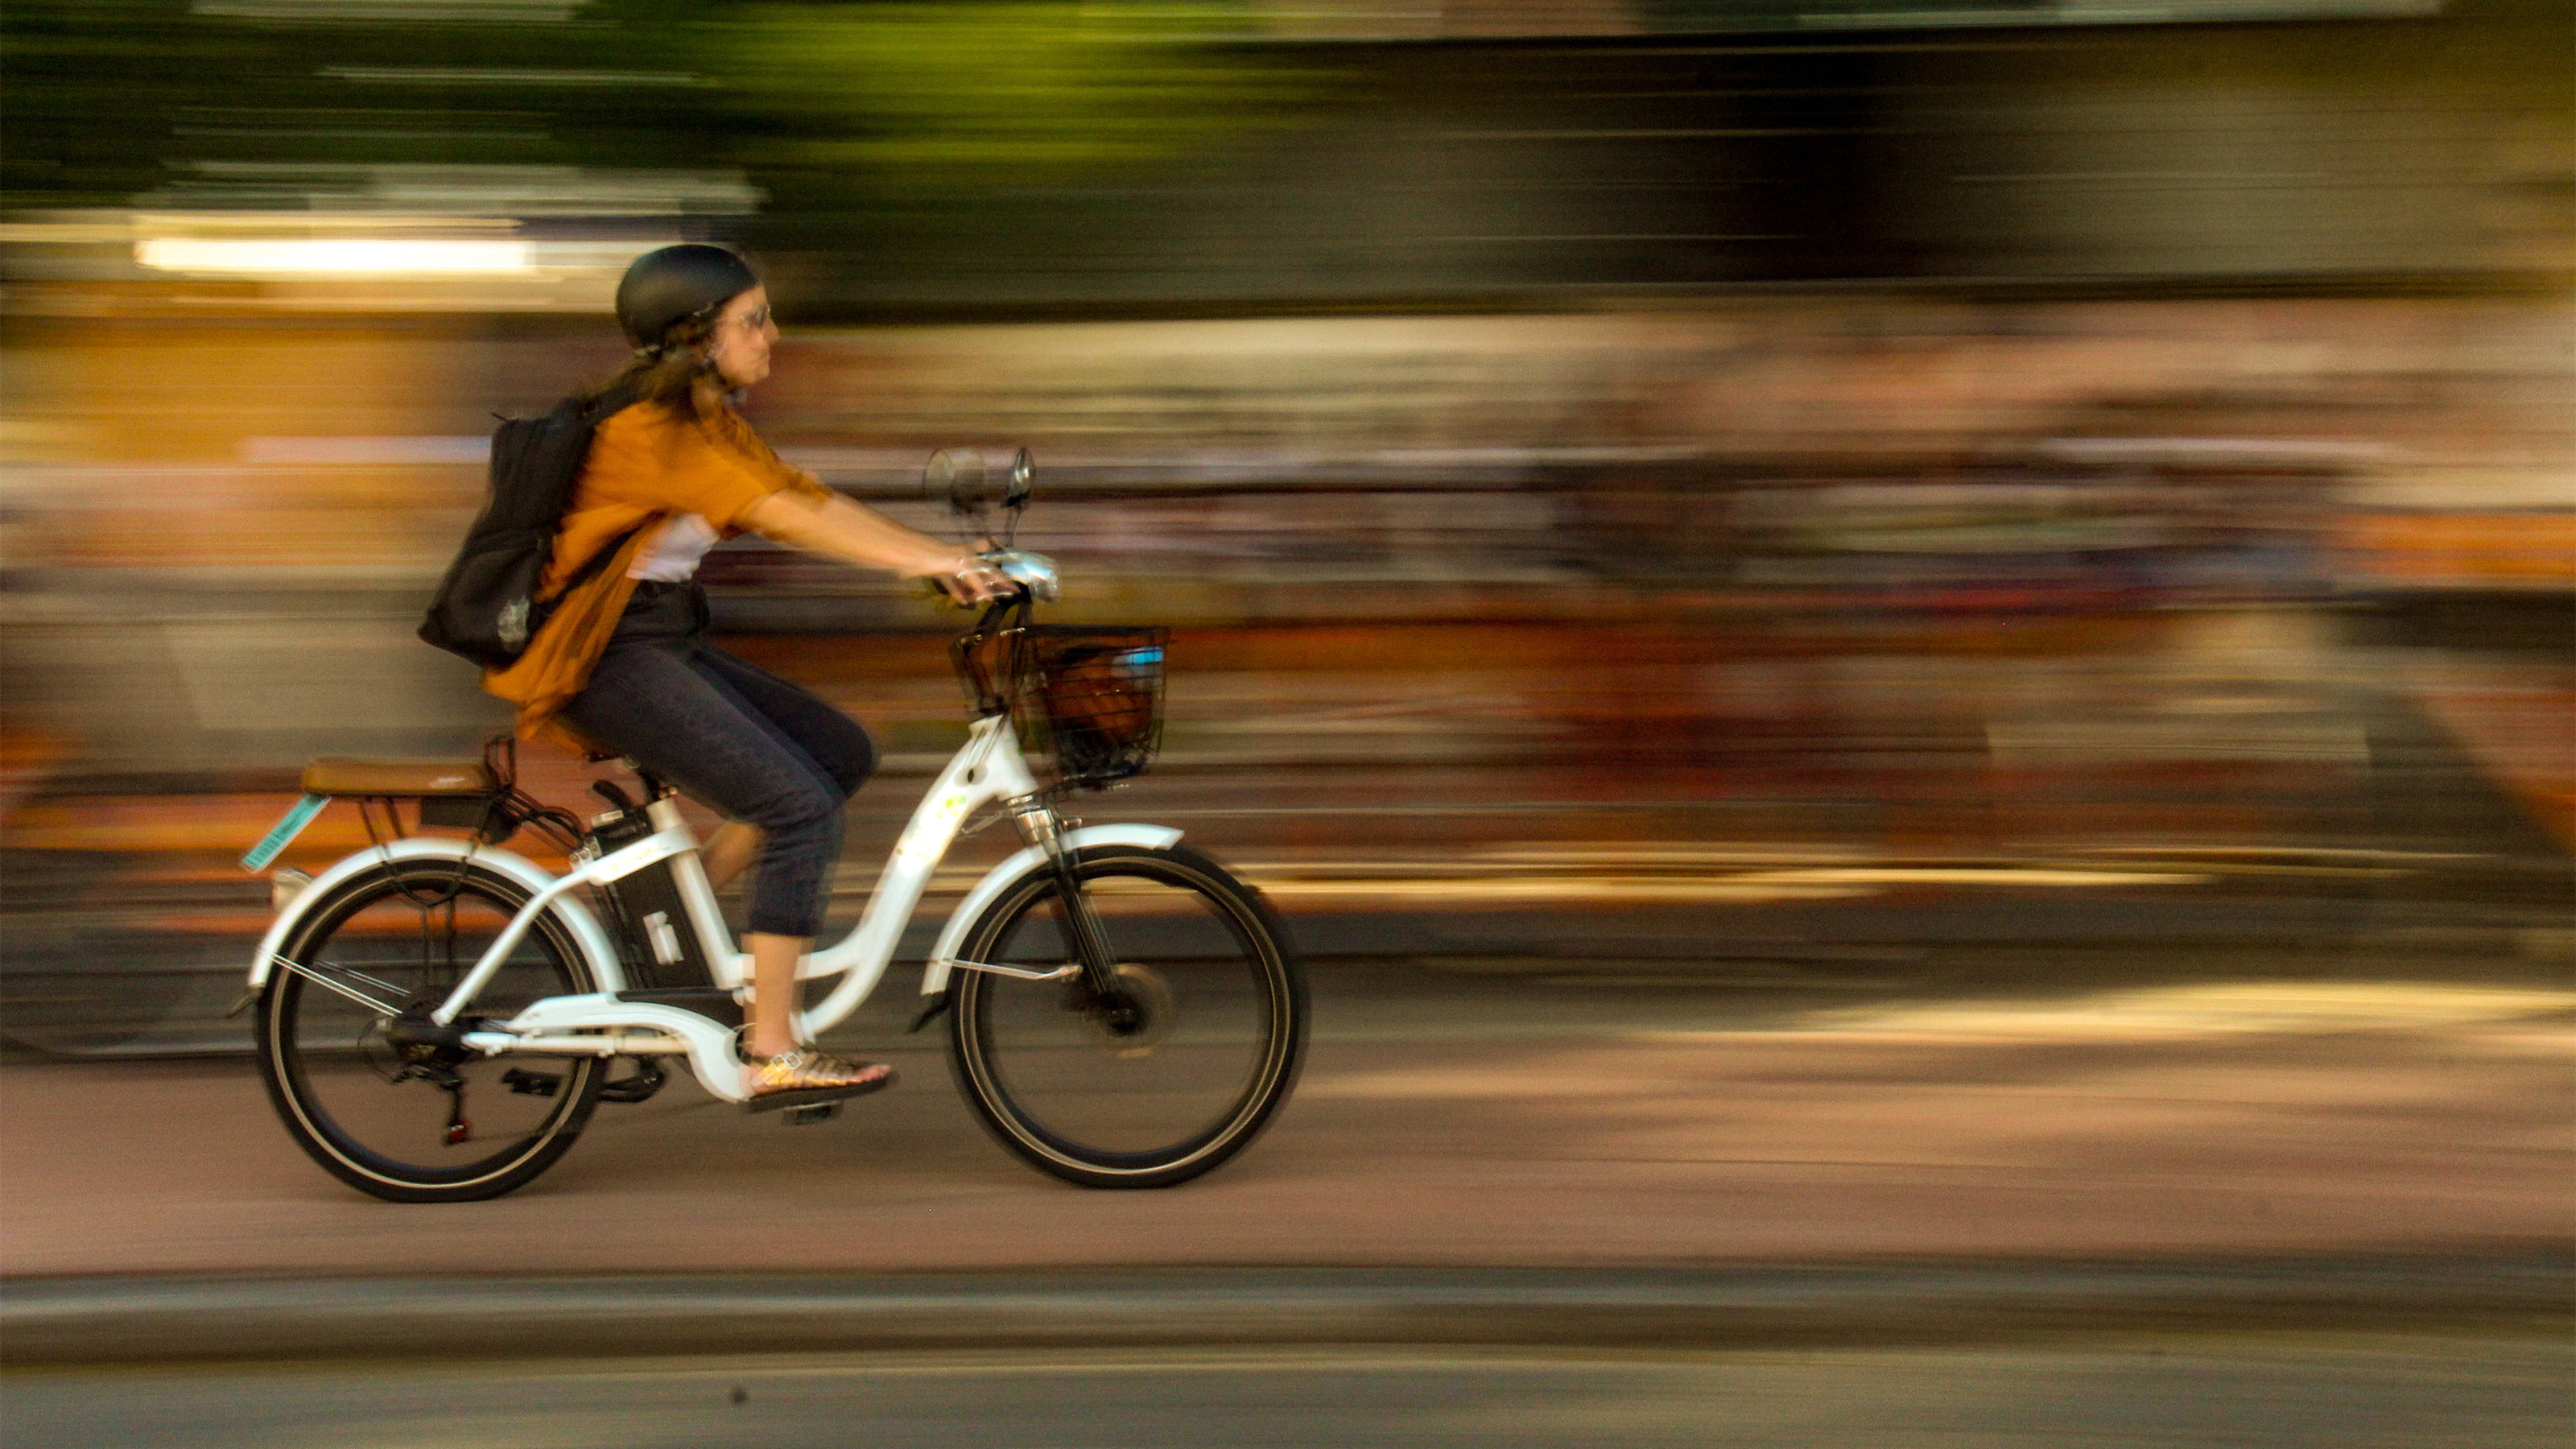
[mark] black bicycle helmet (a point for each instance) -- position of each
(674, 284)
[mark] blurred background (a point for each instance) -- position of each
(1931, 635)
(1788, 481)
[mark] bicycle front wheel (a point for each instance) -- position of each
(451, 1126)
(1165, 1077)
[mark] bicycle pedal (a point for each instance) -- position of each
(808, 1116)
(532, 1084)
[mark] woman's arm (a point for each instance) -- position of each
(835, 527)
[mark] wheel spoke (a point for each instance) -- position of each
(324, 974)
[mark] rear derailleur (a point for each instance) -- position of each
(429, 1053)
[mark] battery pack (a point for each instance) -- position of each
(660, 945)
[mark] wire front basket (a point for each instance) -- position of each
(1091, 697)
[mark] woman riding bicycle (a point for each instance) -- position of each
(623, 667)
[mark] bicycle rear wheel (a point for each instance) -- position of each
(1180, 1071)
(406, 932)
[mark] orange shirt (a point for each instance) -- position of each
(648, 465)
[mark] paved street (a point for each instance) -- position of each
(1494, 1112)
(2311, 1392)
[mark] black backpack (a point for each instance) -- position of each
(487, 608)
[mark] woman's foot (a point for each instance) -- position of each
(806, 1070)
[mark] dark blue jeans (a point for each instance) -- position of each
(732, 736)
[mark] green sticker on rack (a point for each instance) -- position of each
(298, 816)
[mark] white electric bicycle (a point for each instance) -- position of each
(1122, 1012)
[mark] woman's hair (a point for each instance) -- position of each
(668, 303)
(668, 373)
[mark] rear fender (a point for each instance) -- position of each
(577, 918)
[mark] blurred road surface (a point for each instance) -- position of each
(1495, 1112)
(2291, 1393)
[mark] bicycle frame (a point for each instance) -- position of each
(987, 769)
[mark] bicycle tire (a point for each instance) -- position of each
(333, 1089)
(1213, 982)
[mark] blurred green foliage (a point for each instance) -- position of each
(108, 100)
(936, 157)
(963, 94)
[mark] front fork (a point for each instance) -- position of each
(1043, 828)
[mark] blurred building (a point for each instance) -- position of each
(2003, 429)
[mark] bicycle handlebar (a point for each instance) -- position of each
(1034, 573)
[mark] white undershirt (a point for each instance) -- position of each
(675, 555)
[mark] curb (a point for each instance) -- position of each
(61, 1322)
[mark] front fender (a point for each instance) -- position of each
(934, 977)
(585, 927)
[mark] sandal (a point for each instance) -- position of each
(806, 1076)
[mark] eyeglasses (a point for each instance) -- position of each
(755, 319)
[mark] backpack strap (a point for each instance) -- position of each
(593, 412)
(591, 566)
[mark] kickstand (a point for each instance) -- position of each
(647, 1080)
(458, 1130)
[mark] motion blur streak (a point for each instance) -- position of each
(393, 258)
(1848, 631)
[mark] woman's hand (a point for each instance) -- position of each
(968, 580)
